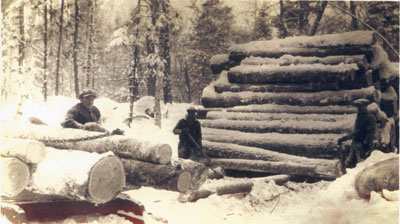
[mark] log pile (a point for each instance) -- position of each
(291, 100)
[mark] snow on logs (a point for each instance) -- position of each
(323, 98)
(122, 146)
(15, 176)
(28, 151)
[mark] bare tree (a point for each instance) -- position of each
(59, 48)
(45, 51)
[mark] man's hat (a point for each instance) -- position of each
(191, 110)
(87, 94)
(361, 102)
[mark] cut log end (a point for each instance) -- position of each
(106, 179)
(14, 176)
(184, 182)
(164, 154)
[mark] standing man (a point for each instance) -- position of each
(189, 131)
(84, 115)
(362, 136)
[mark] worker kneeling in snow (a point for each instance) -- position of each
(189, 131)
(84, 115)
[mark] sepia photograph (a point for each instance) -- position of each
(199, 111)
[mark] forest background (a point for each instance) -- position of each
(126, 49)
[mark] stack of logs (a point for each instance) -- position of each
(87, 168)
(279, 106)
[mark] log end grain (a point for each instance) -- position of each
(164, 154)
(106, 179)
(184, 181)
(14, 176)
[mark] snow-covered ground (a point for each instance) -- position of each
(322, 202)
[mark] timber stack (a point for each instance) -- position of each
(279, 106)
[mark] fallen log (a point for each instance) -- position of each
(361, 81)
(122, 146)
(221, 62)
(198, 171)
(259, 116)
(15, 176)
(325, 98)
(282, 126)
(166, 177)
(302, 73)
(360, 60)
(28, 151)
(324, 167)
(274, 108)
(314, 146)
(235, 188)
(98, 178)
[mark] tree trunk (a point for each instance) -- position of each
(122, 146)
(75, 50)
(45, 52)
(273, 108)
(282, 27)
(264, 166)
(165, 54)
(89, 42)
(318, 18)
(59, 49)
(235, 188)
(198, 171)
(303, 73)
(158, 176)
(21, 43)
(354, 22)
(324, 167)
(28, 151)
(324, 98)
(313, 146)
(187, 81)
(98, 180)
(14, 176)
(282, 126)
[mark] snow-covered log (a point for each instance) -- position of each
(159, 176)
(350, 43)
(324, 167)
(235, 188)
(282, 126)
(259, 116)
(29, 151)
(360, 60)
(78, 175)
(198, 171)
(274, 108)
(286, 167)
(122, 146)
(314, 146)
(324, 98)
(302, 73)
(221, 62)
(389, 102)
(381, 175)
(15, 176)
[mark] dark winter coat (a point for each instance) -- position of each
(80, 114)
(186, 147)
(364, 130)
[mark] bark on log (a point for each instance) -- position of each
(198, 171)
(28, 151)
(15, 176)
(159, 176)
(303, 73)
(360, 60)
(314, 146)
(122, 146)
(265, 166)
(325, 98)
(282, 126)
(273, 108)
(324, 167)
(193, 196)
(360, 81)
(235, 188)
(98, 179)
(256, 116)
(381, 175)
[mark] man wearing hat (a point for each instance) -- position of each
(189, 131)
(84, 115)
(362, 136)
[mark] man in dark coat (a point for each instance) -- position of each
(363, 135)
(84, 115)
(189, 129)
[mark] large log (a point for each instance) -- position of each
(259, 116)
(15, 176)
(282, 126)
(360, 60)
(350, 43)
(221, 62)
(324, 167)
(361, 81)
(198, 171)
(314, 146)
(122, 146)
(78, 175)
(29, 151)
(274, 108)
(324, 98)
(156, 175)
(302, 73)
